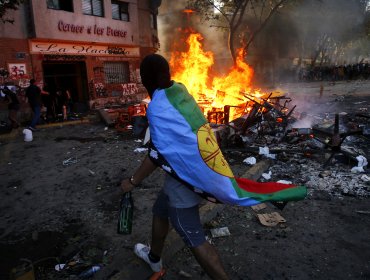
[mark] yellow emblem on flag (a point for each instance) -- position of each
(210, 151)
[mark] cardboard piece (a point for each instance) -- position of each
(271, 219)
(259, 207)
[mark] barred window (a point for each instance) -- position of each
(120, 11)
(93, 7)
(116, 72)
(64, 5)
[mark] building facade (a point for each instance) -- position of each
(92, 48)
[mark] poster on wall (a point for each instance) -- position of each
(17, 70)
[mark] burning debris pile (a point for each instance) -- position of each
(313, 149)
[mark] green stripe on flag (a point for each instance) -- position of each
(183, 102)
(289, 194)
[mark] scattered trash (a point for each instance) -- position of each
(250, 160)
(60, 266)
(365, 178)
(92, 172)
(185, 274)
(27, 135)
(285, 182)
(266, 152)
(89, 272)
(219, 232)
(70, 161)
(271, 219)
(140, 150)
(259, 207)
(363, 212)
(362, 161)
(267, 176)
(272, 156)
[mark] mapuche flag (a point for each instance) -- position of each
(184, 145)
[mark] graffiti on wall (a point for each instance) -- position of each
(17, 70)
(100, 89)
(15, 74)
(129, 89)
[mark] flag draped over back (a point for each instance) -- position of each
(184, 145)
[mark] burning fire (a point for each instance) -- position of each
(193, 67)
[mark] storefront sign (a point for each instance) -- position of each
(82, 49)
(94, 30)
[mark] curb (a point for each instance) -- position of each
(18, 131)
(81, 121)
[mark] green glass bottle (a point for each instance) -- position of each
(126, 214)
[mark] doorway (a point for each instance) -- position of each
(72, 76)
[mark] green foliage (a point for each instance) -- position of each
(5, 6)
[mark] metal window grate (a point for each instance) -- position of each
(120, 11)
(93, 7)
(116, 72)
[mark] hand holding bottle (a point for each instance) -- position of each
(126, 214)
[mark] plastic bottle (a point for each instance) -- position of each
(89, 272)
(126, 214)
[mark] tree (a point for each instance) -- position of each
(328, 29)
(5, 6)
(243, 19)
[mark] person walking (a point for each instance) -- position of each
(176, 203)
(33, 94)
(184, 145)
(13, 106)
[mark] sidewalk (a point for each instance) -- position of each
(17, 132)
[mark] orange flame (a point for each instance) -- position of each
(192, 68)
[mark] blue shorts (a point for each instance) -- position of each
(186, 221)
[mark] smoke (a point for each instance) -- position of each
(173, 25)
(330, 26)
(295, 34)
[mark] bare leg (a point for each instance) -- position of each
(64, 112)
(209, 260)
(160, 228)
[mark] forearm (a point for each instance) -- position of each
(146, 168)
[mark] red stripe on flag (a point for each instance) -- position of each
(262, 188)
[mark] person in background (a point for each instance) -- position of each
(33, 94)
(46, 102)
(175, 202)
(66, 103)
(13, 106)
